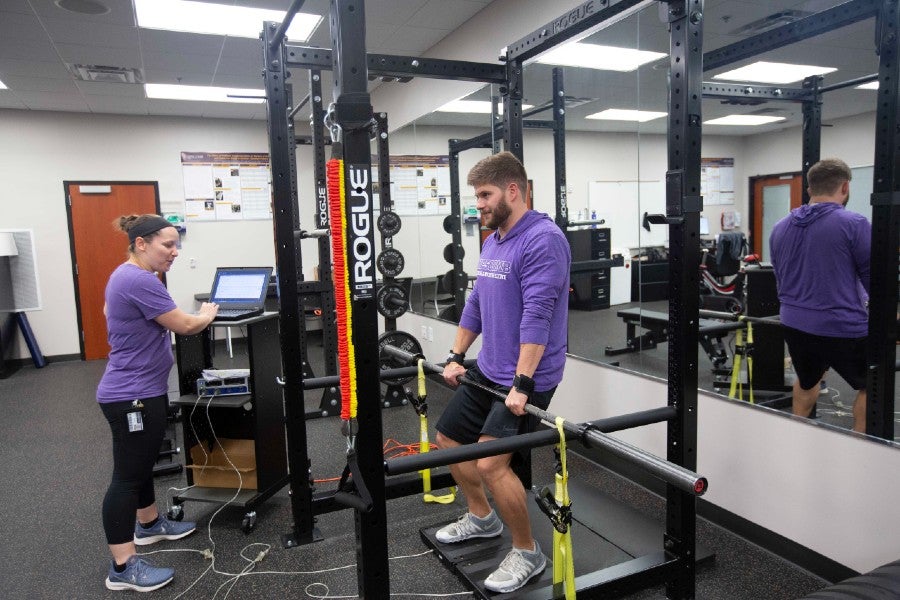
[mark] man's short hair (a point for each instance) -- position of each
(499, 169)
(826, 176)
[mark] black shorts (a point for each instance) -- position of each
(812, 355)
(473, 412)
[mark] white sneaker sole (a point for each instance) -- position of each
(146, 541)
(437, 536)
(121, 585)
(500, 589)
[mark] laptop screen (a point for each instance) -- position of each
(240, 286)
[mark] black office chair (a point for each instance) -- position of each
(443, 295)
(721, 277)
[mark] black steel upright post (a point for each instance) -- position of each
(511, 94)
(559, 148)
(331, 396)
(353, 117)
(812, 128)
(882, 348)
(683, 206)
(288, 257)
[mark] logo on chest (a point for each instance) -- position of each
(493, 268)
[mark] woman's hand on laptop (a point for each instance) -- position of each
(209, 309)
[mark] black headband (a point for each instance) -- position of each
(147, 227)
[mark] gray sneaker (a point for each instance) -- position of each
(466, 528)
(516, 569)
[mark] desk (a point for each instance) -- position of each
(257, 416)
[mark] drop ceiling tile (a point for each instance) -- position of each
(236, 47)
(156, 40)
(417, 39)
(15, 6)
(116, 90)
(33, 68)
(152, 75)
(392, 11)
(176, 61)
(117, 105)
(68, 31)
(440, 14)
(244, 81)
(39, 49)
(8, 99)
(121, 12)
(175, 107)
(245, 66)
(53, 101)
(224, 110)
(100, 55)
(18, 26)
(38, 84)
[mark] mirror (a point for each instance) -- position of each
(609, 161)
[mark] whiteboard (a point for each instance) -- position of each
(623, 204)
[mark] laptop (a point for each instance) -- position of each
(240, 292)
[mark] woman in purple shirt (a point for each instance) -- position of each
(140, 313)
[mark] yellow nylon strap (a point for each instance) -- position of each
(736, 364)
(563, 559)
(750, 361)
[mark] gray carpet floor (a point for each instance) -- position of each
(56, 465)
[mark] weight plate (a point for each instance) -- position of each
(397, 339)
(390, 262)
(392, 300)
(450, 280)
(449, 255)
(448, 223)
(389, 223)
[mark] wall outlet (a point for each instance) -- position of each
(430, 336)
(193, 263)
(424, 334)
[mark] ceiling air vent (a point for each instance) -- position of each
(106, 74)
(774, 20)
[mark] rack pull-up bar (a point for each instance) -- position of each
(849, 83)
(675, 475)
(300, 105)
(282, 29)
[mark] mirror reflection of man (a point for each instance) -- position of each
(821, 257)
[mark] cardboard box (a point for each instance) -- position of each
(217, 473)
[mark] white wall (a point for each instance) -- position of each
(40, 150)
(832, 491)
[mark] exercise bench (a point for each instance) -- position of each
(656, 324)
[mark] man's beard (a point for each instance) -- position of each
(498, 215)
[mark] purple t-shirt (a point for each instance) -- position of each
(821, 257)
(141, 349)
(521, 296)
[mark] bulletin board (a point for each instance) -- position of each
(226, 186)
(420, 184)
(717, 181)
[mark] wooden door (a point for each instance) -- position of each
(789, 187)
(98, 248)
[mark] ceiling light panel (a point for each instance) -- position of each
(621, 114)
(3, 86)
(595, 56)
(872, 85)
(745, 120)
(772, 72)
(218, 19)
(203, 93)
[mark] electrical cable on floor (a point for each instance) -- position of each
(391, 448)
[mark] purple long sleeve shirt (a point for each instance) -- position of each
(521, 296)
(821, 257)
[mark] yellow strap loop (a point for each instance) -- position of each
(563, 559)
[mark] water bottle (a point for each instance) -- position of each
(593, 218)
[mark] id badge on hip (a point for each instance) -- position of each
(135, 417)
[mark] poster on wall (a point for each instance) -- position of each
(420, 184)
(717, 180)
(226, 186)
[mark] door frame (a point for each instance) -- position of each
(75, 288)
(755, 203)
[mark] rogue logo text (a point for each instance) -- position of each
(360, 251)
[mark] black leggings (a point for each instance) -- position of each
(134, 455)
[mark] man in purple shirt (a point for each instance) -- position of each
(821, 257)
(520, 308)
